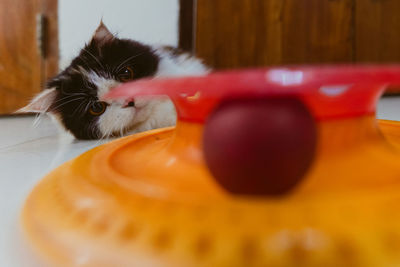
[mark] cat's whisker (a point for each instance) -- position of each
(69, 97)
(84, 110)
(86, 83)
(125, 129)
(87, 105)
(94, 57)
(121, 130)
(104, 135)
(109, 72)
(111, 131)
(93, 130)
(62, 101)
(78, 109)
(113, 128)
(99, 140)
(63, 104)
(120, 66)
(37, 120)
(107, 135)
(98, 136)
(84, 61)
(74, 94)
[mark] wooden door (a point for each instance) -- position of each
(24, 64)
(234, 34)
(377, 31)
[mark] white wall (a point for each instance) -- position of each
(149, 21)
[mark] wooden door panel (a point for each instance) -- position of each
(49, 8)
(19, 60)
(316, 31)
(377, 30)
(231, 33)
(22, 68)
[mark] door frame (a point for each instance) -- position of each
(187, 25)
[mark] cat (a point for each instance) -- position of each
(73, 96)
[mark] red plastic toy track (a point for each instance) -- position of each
(329, 92)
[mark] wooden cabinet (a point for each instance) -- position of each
(28, 49)
(232, 33)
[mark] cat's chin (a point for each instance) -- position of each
(155, 114)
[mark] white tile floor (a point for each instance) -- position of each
(27, 153)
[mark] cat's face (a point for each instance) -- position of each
(75, 96)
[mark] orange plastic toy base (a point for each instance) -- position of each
(106, 208)
(149, 200)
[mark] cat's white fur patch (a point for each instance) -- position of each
(146, 115)
(103, 84)
(178, 65)
(115, 120)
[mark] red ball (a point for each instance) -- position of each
(260, 146)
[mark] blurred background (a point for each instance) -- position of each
(38, 37)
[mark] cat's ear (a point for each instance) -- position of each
(102, 35)
(41, 103)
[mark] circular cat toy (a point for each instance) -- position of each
(266, 167)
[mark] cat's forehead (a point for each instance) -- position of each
(103, 61)
(114, 51)
(73, 79)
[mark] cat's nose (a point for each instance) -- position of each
(129, 103)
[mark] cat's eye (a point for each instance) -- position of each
(126, 74)
(97, 108)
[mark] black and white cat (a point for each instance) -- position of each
(73, 96)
